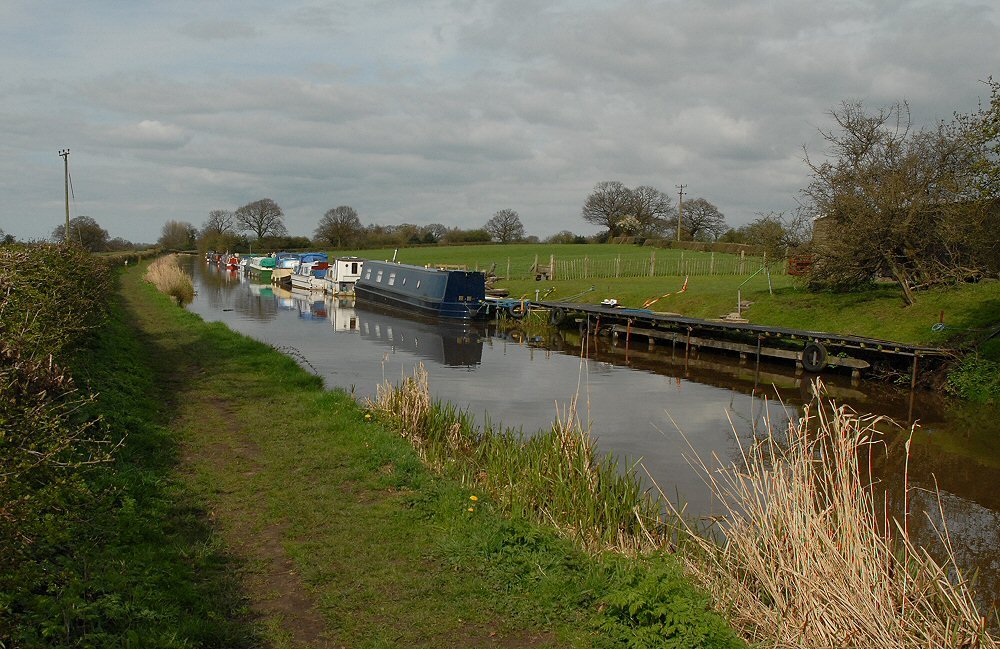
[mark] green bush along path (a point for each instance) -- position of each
(340, 537)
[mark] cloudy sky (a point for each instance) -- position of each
(446, 111)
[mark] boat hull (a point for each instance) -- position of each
(427, 291)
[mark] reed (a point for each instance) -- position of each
(555, 477)
(166, 275)
(813, 558)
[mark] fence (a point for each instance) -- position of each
(704, 264)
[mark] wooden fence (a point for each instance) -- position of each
(665, 266)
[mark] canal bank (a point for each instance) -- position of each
(343, 538)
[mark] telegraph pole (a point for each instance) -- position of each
(680, 208)
(64, 153)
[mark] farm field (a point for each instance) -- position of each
(967, 311)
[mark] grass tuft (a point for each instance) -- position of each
(166, 275)
(555, 477)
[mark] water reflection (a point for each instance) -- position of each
(637, 398)
(452, 344)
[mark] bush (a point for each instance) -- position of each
(976, 379)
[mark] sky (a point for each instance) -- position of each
(446, 111)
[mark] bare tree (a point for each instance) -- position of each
(652, 210)
(177, 235)
(263, 218)
(434, 232)
(505, 226)
(219, 222)
(702, 221)
(642, 211)
(904, 204)
(340, 226)
(607, 205)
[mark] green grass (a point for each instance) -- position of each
(970, 311)
(520, 257)
(384, 553)
(139, 565)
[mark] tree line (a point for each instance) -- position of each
(920, 207)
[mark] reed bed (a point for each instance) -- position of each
(812, 557)
(554, 477)
(166, 275)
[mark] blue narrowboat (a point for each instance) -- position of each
(428, 291)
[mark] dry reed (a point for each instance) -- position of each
(166, 275)
(812, 558)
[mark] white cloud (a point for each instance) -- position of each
(447, 110)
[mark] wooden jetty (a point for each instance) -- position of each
(812, 351)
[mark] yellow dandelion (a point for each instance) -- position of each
(368, 415)
(472, 509)
(473, 498)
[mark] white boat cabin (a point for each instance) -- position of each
(343, 273)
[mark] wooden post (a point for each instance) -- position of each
(711, 263)
(552, 266)
(652, 263)
(913, 375)
(618, 266)
(508, 269)
(585, 267)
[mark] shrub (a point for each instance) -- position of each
(166, 275)
(976, 379)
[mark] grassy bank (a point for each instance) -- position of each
(384, 552)
(969, 311)
(250, 507)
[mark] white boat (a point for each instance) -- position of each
(343, 273)
(310, 273)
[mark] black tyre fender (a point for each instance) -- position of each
(516, 311)
(558, 316)
(813, 356)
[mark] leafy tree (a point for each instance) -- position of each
(83, 231)
(118, 244)
(505, 226)
(905, 204)
(6, 239)
(702, 221)
(340, 226)
(262, 218)
(177, 235)
(458, 235)
(565, 236)
(640, 211)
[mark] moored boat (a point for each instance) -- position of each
(260, 268)
(428, 291)
(343, 273)
(284, 265)
(310, 272)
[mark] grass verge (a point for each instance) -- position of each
(344, 537)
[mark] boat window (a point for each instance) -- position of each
(368, 274)
(418, 283)
(378, 278)
(404, 281)
(392, 279)
(354, 268)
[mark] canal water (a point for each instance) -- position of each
(653, 406)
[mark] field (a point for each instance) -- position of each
(967, 311)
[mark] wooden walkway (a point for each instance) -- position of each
(810, 350)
